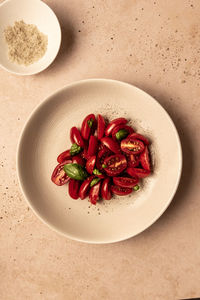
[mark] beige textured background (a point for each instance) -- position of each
(155, 45)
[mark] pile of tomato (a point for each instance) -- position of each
(103, 160)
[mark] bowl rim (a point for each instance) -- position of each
(53, 57)
(36, 109)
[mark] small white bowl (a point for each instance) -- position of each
(31, 12)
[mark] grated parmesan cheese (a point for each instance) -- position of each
(26, 44)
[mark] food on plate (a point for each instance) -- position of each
(103, 160)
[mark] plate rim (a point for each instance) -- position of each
(34, 111)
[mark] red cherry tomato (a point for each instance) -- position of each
(120, 191)
(141, 173)
(126, 181)
(64, 156)
(84, 188)
(144, 159)
(77, 159)
(100, 126)
(105, 152)
(120, 127)
(74, 188)
(105, 189)
(114, 123)
(115, 164)
(132, 146)
(93, 145)
(94, 193)
(76, 137)
(85, 149)
(133, 160)
(101, 147)
(59, 177)
(90, 164)
(88, 126)
(110, 144)
(140, 137)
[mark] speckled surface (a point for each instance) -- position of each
(154, 45)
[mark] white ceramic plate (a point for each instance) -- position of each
(46, 134)
(31, 12)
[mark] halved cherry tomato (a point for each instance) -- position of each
(59, 177)
(77, 159)
(105, 152)
(120, 127)
(76, 137)
(110, 144)
(101, 147)
(133, 146)
(120, 191)
(115, 164)
(105, 189)
(88, 126)
(100, 126)
(94, 193)
(93, 145)
(64, 156)
(144, 159)
(84, 188)
(133, 160)
(126, 181)
(140, 137)
(85, 149)
(90, 164)
(74, 188)
(114, 123)
(141, 173)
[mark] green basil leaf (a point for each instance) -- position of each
(94, 181)
(75, 171)
(136, 188)
(121, 134)
(97, 172)
(75, 149)
(90, 122)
